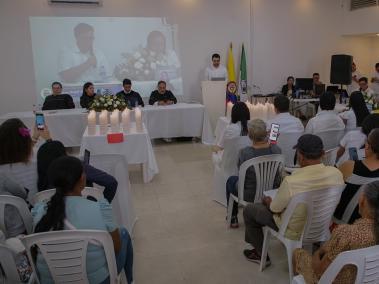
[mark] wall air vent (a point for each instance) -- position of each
(80, 2)
(358, 4)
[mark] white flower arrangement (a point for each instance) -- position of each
(108, 102)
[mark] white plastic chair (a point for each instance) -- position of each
(331, 138)
(266, 168)
(65, 253)
(22, 209)
(286, 141)
(366, 261)
(228, 166)
(45, 195)
(8, 265)
(320, 206)
(330, 157)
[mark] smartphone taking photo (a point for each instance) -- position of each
(353, 154)
(40, 121)
(274, 133)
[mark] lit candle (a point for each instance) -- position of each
(229, 107)
(250, 107)
(138, 117)
(103, 119)
(126, 120)
(115, 121)
(92, 122)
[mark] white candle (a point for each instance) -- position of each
(229, 107)
(138, 117)
(115, 121)
(92, 122)
(250, 107)
(126, 120)
(103, 119)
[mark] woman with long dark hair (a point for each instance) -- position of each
(67, 209)
(289, 89)
(354, 117)
(88, 95)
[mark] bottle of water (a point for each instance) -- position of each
(102, 73)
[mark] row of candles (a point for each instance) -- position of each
(115, 121)
(264, 111)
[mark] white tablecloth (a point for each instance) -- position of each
(65, 125)
(136, 148)
(221, 125)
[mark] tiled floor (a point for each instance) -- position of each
(181, 234)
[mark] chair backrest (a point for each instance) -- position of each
(358, 180)
(8, 265)
(331, 138)
(45, 195)
(286, 141)
(22, 209)
(320, 205)
(330, 157)
(266, 168)
(366, 261)
(230, 154)
(65, 253)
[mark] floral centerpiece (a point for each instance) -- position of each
(108, 102)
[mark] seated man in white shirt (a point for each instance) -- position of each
(375, 79)
(355, 76)
(327, 119)
(367, 92)
(217, 70)
(286, 121)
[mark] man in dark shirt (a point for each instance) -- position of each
(162, 95)
(132, 98)
(57, 100)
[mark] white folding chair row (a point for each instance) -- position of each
(266, 168)
(45, 195)
(366, 261)
(331, 138)
(8, 265)
(320, 206)
(286, 141)
(21, 207)
(65, 253)
(330, 157)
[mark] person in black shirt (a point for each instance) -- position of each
(162, 95)
(88, 95)
(289, 89)
(132, 98)
(57, 100)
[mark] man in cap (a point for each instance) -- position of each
(312, 175)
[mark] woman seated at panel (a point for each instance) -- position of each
(52, 150)
(238, 125)
(88, 95)
(366, 168)
(363, 233)
(289, 89)
(260, 147)
(358, 111)
(356, 139)
(68, 210)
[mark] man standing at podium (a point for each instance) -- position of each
(217, 71)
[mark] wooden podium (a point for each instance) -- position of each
(214, 93)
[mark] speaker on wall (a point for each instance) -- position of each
(340, 69)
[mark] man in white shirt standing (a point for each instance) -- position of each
(217, 70)
(355, 76)
(327, 119)
(367, 92)
(287, 122)
(375, 79)
(83, 63)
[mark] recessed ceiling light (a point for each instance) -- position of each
(377, 34)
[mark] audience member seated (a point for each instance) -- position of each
(162, 96)
(367, 92)
(260, 147)
(363, 233)
(17, 150)
(88, 95)
(368, 168)
(12, 218)
(356, 138)
(68, 210)
(52, 150)
(238, 125)
(312, 175)
(132, 98)
(57, 100)
(289, 89)
(358, 111)
(326, 119)
(286, 121)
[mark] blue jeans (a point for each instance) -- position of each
(124, 258)
(231, 188)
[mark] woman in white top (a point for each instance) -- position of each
(358, 111)
(356, 139)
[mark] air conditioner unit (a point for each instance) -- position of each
(80, 2)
